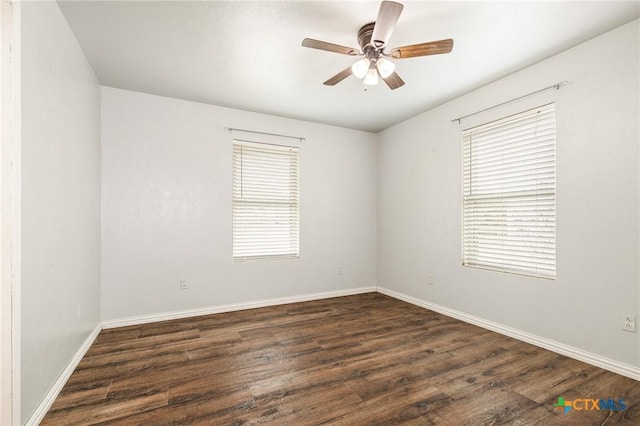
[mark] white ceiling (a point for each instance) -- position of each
(248, 55)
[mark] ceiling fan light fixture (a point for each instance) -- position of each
(359, 69)
(385, 67)
(371, 79)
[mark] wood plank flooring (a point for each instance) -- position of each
(358, 360)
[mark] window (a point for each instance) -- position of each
(265, 201)
(509, 194)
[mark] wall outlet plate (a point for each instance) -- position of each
(629, 322)
(183, 285)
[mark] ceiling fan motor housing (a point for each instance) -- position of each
(364, 35)
(364, 39)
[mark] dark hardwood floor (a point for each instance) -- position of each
(357, 360)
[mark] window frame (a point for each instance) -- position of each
(539, 253)
(273, 206)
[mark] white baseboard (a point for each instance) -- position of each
(623, 369)
(51, 396)
(186, 313)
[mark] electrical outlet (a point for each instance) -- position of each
(431, 280)
(339, 270)
(629, 323)
(184, 285)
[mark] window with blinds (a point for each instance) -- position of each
(509, 194)
(265, 201)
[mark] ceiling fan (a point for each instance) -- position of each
(373, 38)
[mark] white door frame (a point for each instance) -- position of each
(10, 171)
(5, 228)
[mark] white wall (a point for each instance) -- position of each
(166, 208)
(60, 200)
(419, 202)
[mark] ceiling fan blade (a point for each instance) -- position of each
(329, 47)
(394, 81)
(338, 77)
(385, 23)
(423, 49)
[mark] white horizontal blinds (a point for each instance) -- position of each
(265, 201)
(509, 200)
